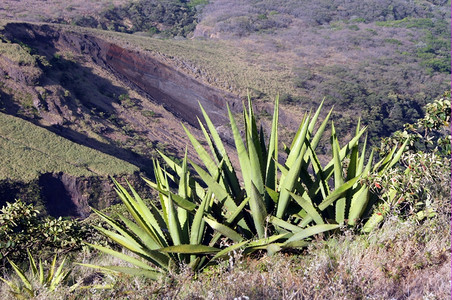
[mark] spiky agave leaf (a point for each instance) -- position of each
(55, 277)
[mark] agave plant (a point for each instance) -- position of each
(165, 237)
(26, 286)
(286, 201)
(278, 205)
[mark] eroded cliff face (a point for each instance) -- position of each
(66, 195)
(160, 82)
(177, 92)
(73, 89)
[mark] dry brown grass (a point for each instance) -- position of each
(402, 260)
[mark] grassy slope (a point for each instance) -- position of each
(218, 63)
(27, 150)
(362, 68)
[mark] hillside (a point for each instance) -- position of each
(124, 87)
(56, 174)
(87, 89)
(382, 60)
(28, 151)
(225, 149)
(99, 93)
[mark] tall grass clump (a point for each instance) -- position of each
(38, 277)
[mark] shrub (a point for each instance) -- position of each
(420, 185)
(177, 17)
(21, 228)
(430, 133)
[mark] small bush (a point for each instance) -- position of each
(21, 228)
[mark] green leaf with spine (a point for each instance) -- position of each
(162, 239)
(56, 276)
(279, 205)
(287, 191)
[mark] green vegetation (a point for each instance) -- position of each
(164, 238)
(401, 258)
(414, 187)
(195, 3)
(21, 228)
(21, 54)
(269, 220)
(211, 216)
(16, 53)
(428, 134)
(278, 207)
(167, 18)
(383, 264)
(28, 150)
(50, 281)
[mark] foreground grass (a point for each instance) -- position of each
(27, 150)
(402, 260)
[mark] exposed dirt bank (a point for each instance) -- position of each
(162, 83)
(59, 194)
(73, 85)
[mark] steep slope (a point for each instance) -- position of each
(60, 176)
(126, 94)
(98, 93)
(119, 101)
